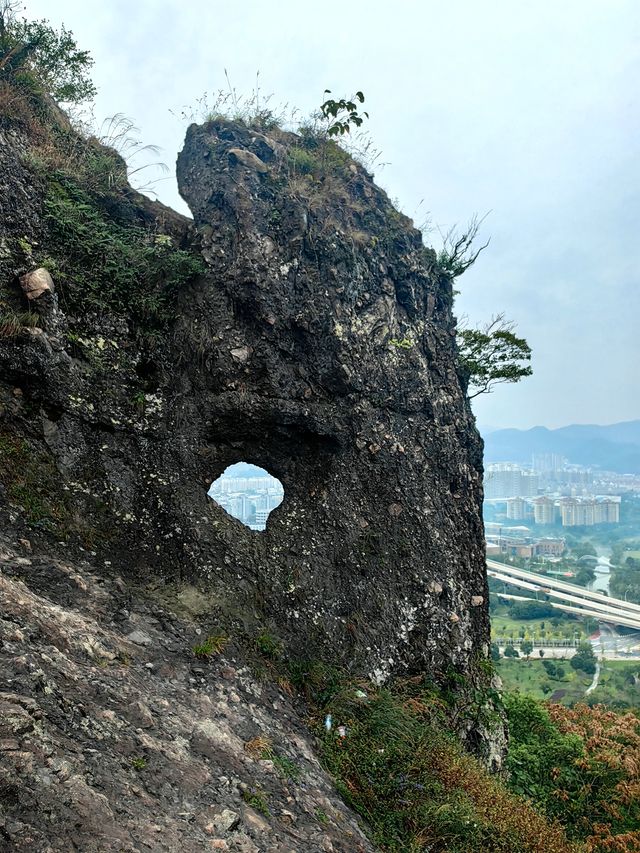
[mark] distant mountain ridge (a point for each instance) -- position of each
(246, 470)
(615, 447)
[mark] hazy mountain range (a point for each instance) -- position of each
(245, 469)
(615, 447)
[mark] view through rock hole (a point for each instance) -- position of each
(248, 493)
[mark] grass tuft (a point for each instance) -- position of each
(213, 645)
(12, 323)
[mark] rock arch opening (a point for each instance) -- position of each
(248, 493)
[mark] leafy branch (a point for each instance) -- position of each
(492, 355)
(343, 112)
(50, 58)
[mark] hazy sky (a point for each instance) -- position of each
(525, 109)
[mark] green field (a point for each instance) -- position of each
(504, 627)
(619, 685)
(531, 679)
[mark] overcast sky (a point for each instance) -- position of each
(525, 109)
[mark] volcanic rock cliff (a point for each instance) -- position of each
(297, 323)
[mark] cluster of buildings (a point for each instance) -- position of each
(518, 542)
(549, 492)
(569, 512)
(507, 480)
(249, 499)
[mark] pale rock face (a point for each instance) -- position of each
(248, 159)
(35, 283)
(114, 773)
(241, 354)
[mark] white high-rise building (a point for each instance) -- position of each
(505, 480)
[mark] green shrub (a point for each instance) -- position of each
(256, 798)
(536, 750)
(321, 683)
(416, 788)
(213, 645)
(288, 768)
(580, 765)
(268, 645)
(102, 264)
(303, 161)
(42, 58)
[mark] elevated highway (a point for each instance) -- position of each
(568, 597)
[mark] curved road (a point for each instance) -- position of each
(596, 679)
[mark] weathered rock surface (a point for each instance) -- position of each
(36, 283)
(109, 745)
(319, 343)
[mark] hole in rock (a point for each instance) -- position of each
(248, 493)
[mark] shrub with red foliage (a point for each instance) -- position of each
(610, 769)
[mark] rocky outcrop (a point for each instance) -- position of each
(347, 392)
(113, 737)
(315, 339)
(35, 284)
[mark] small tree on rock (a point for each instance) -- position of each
(342, 114)
(35, 53)
(492, 355)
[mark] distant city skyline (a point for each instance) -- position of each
(248, 493)
(552, 492)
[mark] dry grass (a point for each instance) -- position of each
(259, 747)
(415, 786)
(12, 323)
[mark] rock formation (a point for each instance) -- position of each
(318, 344)
(113, 738)
(329, 358)
(298, 323)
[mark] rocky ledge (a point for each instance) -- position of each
(114, 737)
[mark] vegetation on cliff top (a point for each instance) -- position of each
(100, 248)
(36, 62)
(41, 59)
